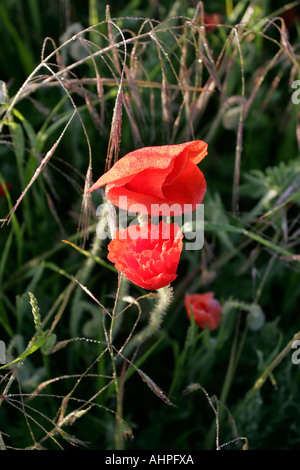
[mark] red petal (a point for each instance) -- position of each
(150, 261)
(157, 157)
(189, 188)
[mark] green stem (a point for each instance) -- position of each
(231, 368)
(225, 389)
(119, 442)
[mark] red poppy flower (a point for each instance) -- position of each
(152, 176)
(290, 17)
(148, 255)
(206, 309)
(2, 192)
(211, 21)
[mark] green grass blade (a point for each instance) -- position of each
(24, 54)
(97, 259)
(212, 226)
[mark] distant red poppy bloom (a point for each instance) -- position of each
(206, 309)
(2, 192)
(211, 21)
(290, 17)
(148, 255)
(161, 175)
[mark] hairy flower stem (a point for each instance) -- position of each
(164, 298)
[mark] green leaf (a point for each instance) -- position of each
(41, 336)
(34, 347)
